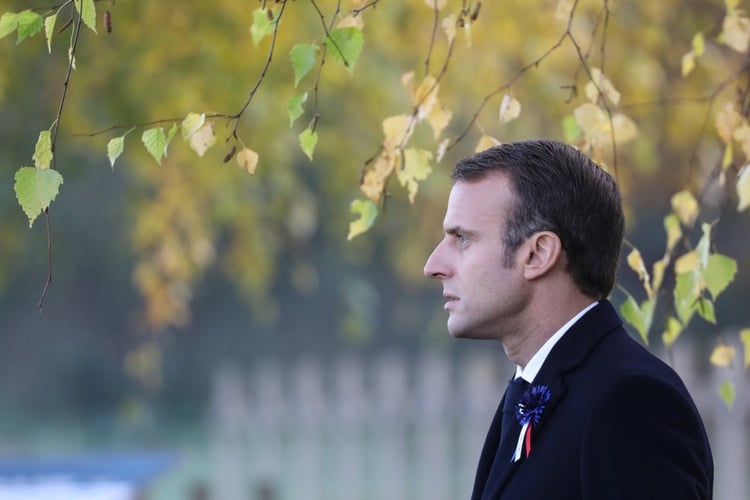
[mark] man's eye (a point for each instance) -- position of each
(461, 239)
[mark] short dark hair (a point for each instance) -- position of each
(562, 190)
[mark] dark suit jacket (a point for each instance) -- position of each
(620, 424)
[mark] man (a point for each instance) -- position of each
(532, 238)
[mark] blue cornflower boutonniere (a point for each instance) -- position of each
(529, 411)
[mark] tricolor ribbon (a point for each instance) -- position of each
(529, 410)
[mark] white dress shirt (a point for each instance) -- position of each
(532, 368)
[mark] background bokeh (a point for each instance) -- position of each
(187, 297)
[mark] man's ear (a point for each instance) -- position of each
(543, 252)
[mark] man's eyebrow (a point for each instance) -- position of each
(454, 230)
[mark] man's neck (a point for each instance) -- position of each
(542, 325)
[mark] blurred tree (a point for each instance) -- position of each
(330, 105)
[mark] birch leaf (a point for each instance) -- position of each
(510, 109)
(345, 44)
(745, 339)
(87, 10)
(366, 212)
(156, 142)
(49, 29)
(43, 150)
(203, 139)
(35, 189)
(726, 392)
(248, 159)
(308, 139)
(8, 23)
(303, 60)
(686, 207)
(191, 124)
(722, 355)
(416, 168)
(29, 24)
(115, 147)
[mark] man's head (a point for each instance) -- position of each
(559, 189)
(529, 226)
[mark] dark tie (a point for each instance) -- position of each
(511, 427)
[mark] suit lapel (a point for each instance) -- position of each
(569, 352)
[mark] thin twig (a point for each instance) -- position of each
(236, 117)
(53, 142)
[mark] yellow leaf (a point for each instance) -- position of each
(248, 159)
(699, 44)
(625, 128)
(686, 263)
(203, 139)
(425, 97)
(467, 33)
(660, 266)
(352, 21)
(728, 119)
(435, 4)
(590, 118)
(438, 120)
(486, 142)
(373, 182)
(601, 84)
(736, 30)
(743, 188)
(449, 27)
(688, 63)
(685, 207)
(416, 168)
(564, 9)
(723, 355)
(510, 108)
(397, 130)
(635, 261)
(726, 160)
(745, 339)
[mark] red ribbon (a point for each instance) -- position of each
(528, 440)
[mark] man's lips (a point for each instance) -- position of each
(449, 299)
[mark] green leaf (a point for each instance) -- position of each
(308, 140)
(346, 45)
(262, 26)
(155, 142)
(367, 212)
(745, 339)
(673, 230)
(170, 136)
(726, 392)
(638, 316)
(416, 168)
(29, 24)
(571, 129)
(191, 124)
(8, 23)
(672, 332)
(686, 292)
(35, 189)
(719, 273)
(294, 107)
(705, 309)
(87, 9)
(704, 245)
(114, 149)
(49, 29)
(303, 60)
(43, 150)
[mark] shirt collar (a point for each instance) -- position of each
(537, 360)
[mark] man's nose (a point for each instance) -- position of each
(434, 267)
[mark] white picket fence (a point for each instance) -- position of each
(394, 427)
